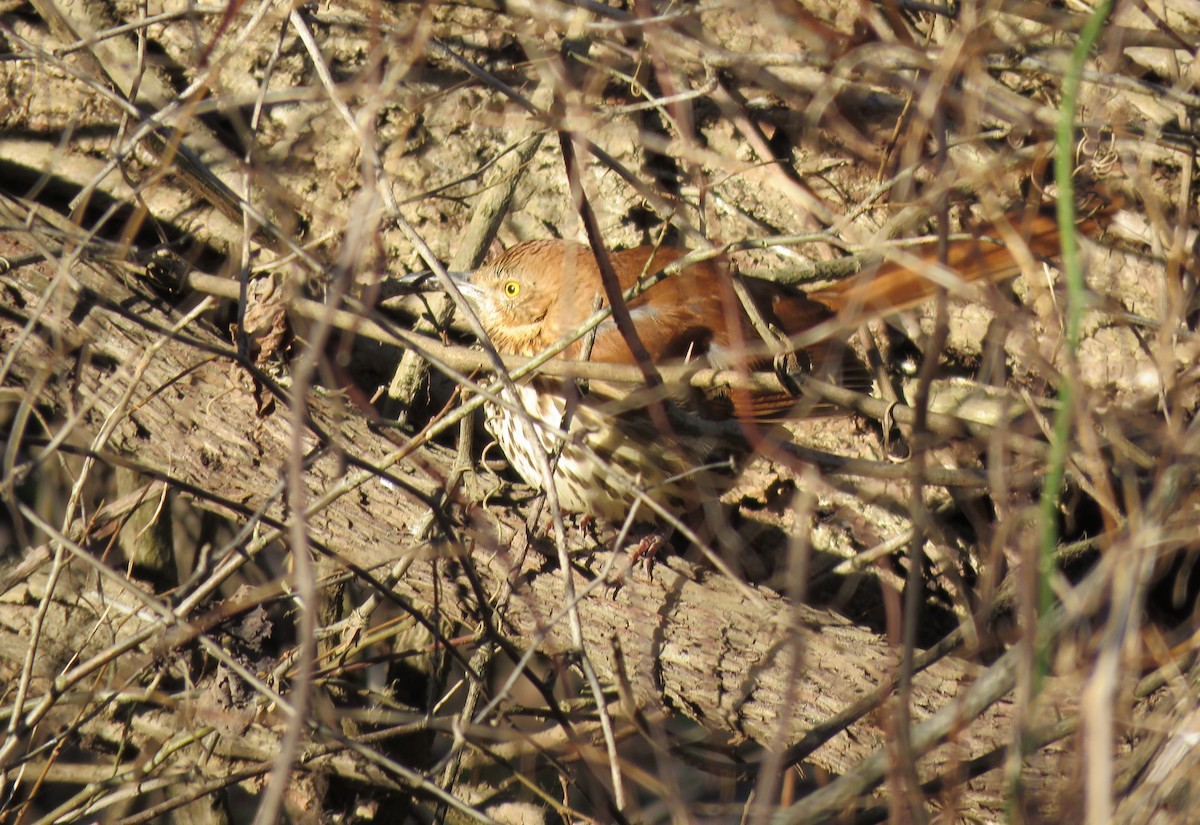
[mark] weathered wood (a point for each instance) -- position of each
(736, 658)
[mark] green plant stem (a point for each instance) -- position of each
(1064, 165)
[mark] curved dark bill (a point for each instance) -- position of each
(426, 281)
(415, 282)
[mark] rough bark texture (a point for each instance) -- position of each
(735, 657)
(333, 146)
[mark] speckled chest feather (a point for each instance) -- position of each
(603, 463)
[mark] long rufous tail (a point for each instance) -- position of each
(897, 285)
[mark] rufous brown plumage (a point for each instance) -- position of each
(602, 456)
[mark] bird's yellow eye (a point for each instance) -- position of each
(511, 288)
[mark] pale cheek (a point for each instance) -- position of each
(489, 317)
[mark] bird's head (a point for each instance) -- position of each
(518, 295)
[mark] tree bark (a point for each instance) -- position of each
(736, 658)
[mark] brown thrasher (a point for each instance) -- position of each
(612, 453)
